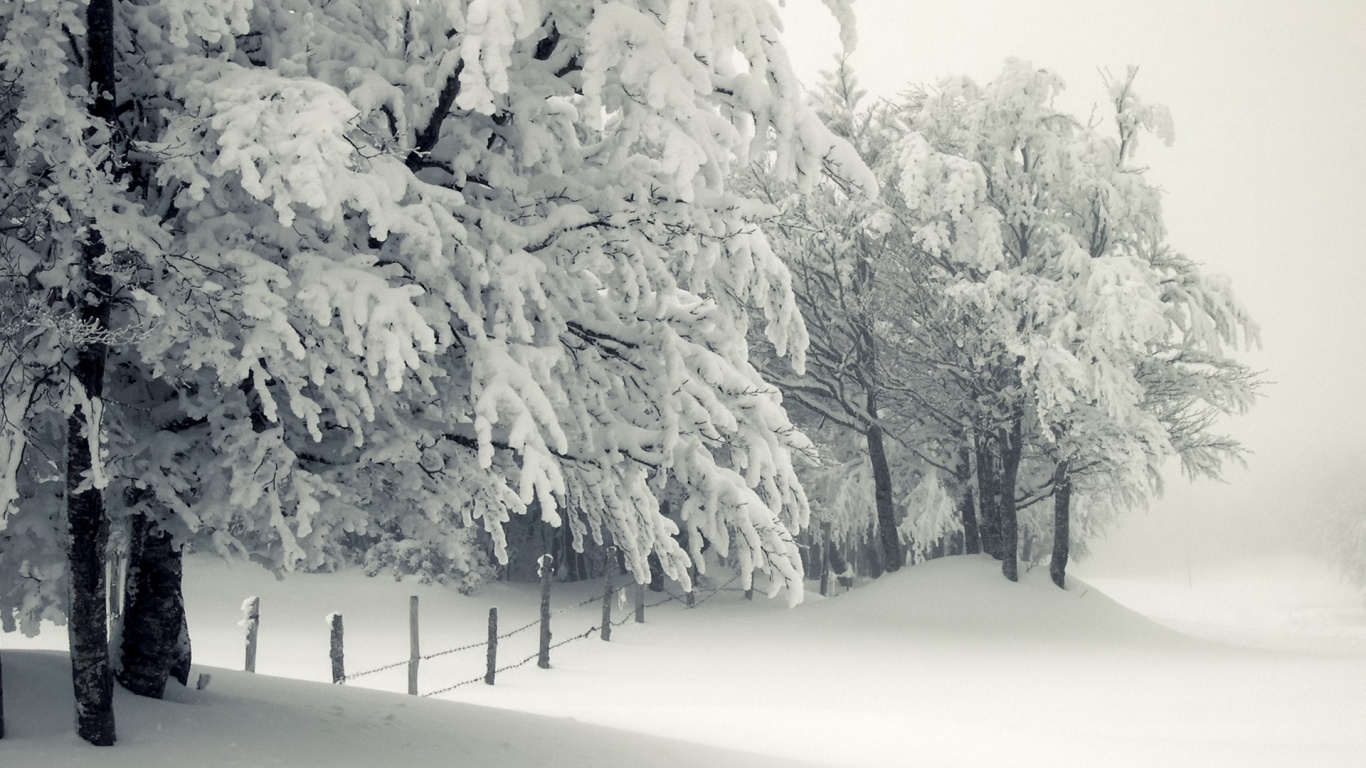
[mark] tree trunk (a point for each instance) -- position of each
(988, 496)
(874, 556)
(1011, 450)
(87, 617)
(882, 495)
(656, 573)
(155, 638)
(1062, 523)
(972, 537)
(87, 524)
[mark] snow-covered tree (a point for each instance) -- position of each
(1341, 530)
(385, 274)
(931, 515)
(1052, 240)
(837, 242)
(1007, 310)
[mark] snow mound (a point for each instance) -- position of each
(961, 595)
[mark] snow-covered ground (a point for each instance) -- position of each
(1282, 603)
(944, 664)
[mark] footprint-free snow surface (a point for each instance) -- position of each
(943, 664)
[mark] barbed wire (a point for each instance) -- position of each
(479, 644)
(522, 663)
(616, 593)
(454, 650)
(671, 596)
(522, 628)
(376, 670)
(714, 592)
(464, 683)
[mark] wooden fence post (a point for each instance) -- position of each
(338, 659)
(414, 650)
(749, 591)
(252, 609)
(640, 603)
(547, 572)
(493, 646)
(825, 559)
(690, 599)
(607, 565)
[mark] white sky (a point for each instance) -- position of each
(1264, 184)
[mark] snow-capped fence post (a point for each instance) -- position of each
(546, 562)
(749, 591)
(252, 621)
(690, 599)
(640, 603)
(493, 646)
(825, 559)
(607, 590)
(414, 650)
(334, 620)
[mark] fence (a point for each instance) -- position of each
(610, 594)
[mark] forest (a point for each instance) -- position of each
(430, 288)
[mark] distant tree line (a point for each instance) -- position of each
(1004, 326)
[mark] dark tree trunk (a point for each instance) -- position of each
(575, 565)
(87, 617)
(972, 537)
(656, 573)
(1062, 524)
(1011, 450)
(882, 496)
(989, 496)
(88, 525)
(873, 553)
(825, 558)
(155, 643)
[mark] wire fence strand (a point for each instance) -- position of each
(616, 593)
(522, 663)
(471, 646)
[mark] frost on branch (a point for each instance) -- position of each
(208, 21)
(401, 272)
(931, 516)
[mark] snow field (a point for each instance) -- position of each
(943, 664)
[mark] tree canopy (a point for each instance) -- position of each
(1008, 310)
(381, 274)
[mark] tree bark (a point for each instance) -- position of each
(87, 524)
(87, 618)
(972, 537)
(155, 643)
(1011, 450)
(1062, 524)
(882, 496)
(873, 553)
(988, 496)
(825, 559)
